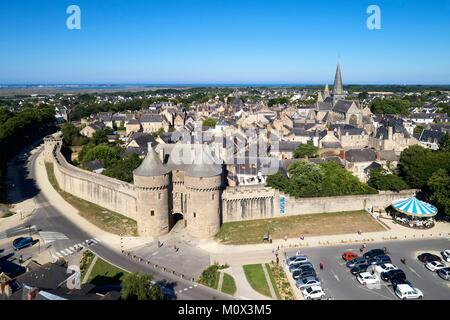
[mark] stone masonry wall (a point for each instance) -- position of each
(258, 202)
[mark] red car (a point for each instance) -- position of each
(349, 255)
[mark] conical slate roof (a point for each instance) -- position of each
(203, 165)
(337, 88)
(151, 166)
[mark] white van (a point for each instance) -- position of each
(405, 291)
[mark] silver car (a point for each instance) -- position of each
(444, 273)
(307, 282)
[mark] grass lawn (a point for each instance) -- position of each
(228, 284)
(105, 219)
(255, 276)
(248, 232)
(104, 273)
(280, 282)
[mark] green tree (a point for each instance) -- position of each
(439, 184)
(136, 286)
(390, 106)
(381, 179)
(122, 169)
(305, 179)
(210, 122)
(108, 155)
(101, 136)
(158, 133)
(444, 143)
(306, 150)
(278, 181)
(417, 164)
(363, 95)
(70, 133)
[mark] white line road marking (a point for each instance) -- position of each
(190, 287)
(155, 253)
(195, 285)
(185, 289)
(335, 275)
(245, 298)
(414, 271)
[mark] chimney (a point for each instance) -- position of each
(390, 133)
(378, 155)
(342, 154)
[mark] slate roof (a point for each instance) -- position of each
(143, 138)
(286, 146)
(343, 106)
(94, 165)
(431, 136)
(48, 276)
(148, 117)
(324, 106)
(152, 165)
(372, 166)
(360, 155)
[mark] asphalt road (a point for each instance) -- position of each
(338, 283)
(48, 218)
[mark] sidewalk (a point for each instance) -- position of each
(243, 288)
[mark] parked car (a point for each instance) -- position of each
(314, 292)
(366, 278)
(307, 282)
(380, 260)
(296, 266)
(349, 255)
(428, 257)
(22, 242)
(298, 274)
(359, 268)
(379, 269)
(295, 259)
(300, 267)
(446, 255)
(434, 265)
(356, 262)
(399, 280)
(405, 291)
(397, 273)
(373, 253)
(444, 273)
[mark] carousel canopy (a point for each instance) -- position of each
(414, 207)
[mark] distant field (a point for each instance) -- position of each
(248, 232)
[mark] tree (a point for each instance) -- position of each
(444, 143)
(210, 122)
(417, 164)
(305, 179)
(108, 155)
(101, 136)
(278, 181)
(381, 179)
(136, 286)
(70, 133)
(158, 133)
(439, 184)
(390, 106)
(122, 169)
(306, 150)
(363, 95)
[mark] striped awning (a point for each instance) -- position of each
(414, 207)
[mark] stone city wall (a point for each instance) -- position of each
(259, 202)
(101, 190)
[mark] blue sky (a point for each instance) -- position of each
(224, 41)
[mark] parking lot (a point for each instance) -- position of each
(338, 283)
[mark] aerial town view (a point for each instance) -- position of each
(224, 150)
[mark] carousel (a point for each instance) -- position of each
(414, 213)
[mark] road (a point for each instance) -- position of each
(338, 283)
(47, 218)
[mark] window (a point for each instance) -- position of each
(159, 196)
(212, 197)
(152, 213)
(195, 215)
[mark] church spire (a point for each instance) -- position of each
(337, 87)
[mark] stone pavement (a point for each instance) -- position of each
(243, 288)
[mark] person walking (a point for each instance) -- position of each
(321, 265)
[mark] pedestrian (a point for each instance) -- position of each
(403, 260)
(285, 238)
(321, 265)
(159, 244)
(361, 249)
(302, 237)
(278, 260)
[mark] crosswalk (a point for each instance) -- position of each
(50, 236)
(75, 248)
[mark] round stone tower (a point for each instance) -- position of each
(152, 180)
(203, 183)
